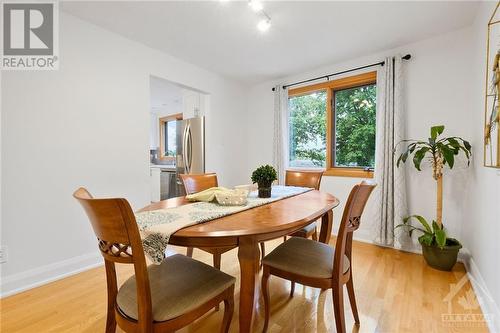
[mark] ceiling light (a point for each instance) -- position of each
(264, 25)
(255, 5)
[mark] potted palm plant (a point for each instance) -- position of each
(439, 250)
(264, 176)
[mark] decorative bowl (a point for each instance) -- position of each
(248, 187)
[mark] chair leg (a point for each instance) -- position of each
(217, 257)
(265, 294)
(112, 291)
(338, 307)
(352, 300)
(228, 311)
(262, 251)
(292, 288)
(284, 238)
(189, 252)
(110, 321)
(315, 234)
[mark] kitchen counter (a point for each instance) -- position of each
(163, 167)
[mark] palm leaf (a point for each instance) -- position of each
(422, 221)
(418, 157)
(436, 131)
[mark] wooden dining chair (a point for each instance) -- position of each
(157, 298)
(194, 183)
(305, 178)
(302, 178)
(318, 265)
(197, 183)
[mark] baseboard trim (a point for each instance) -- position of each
(16, 283)
(487, 303)
(416, 248)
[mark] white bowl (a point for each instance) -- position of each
(247, 187)
(233, 198)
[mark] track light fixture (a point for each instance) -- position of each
(256, 6)
(264, 24)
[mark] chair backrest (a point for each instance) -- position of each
(200, 182)
(303, 178)
(351, 219)
(119, 241)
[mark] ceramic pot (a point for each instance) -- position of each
(442, 258)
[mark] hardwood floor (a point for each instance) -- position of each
(396, 292)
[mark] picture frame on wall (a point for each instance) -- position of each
(492, 105)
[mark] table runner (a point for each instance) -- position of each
(157, 226)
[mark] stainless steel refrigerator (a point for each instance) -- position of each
(190, 140)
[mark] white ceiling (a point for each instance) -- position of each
(222, 36)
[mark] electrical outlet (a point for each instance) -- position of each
(3, 254)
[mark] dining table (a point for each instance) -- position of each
(247, 228)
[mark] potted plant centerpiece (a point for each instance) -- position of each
(439, 250)
(264, 176)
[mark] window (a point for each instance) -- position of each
(332, 126)
(354, 124)
(308, 129)
(168, 132)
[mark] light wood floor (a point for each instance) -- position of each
(396, 292)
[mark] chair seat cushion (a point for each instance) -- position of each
(306, 230)
(178, 285)
(304, 257)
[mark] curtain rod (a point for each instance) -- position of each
(406, 57)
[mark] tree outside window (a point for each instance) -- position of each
(308, 130)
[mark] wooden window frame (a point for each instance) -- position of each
(162, 122)
(330, 87)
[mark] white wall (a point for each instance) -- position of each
(436, 94)
(481, 223)
(88, 124)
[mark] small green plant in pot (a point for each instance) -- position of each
(264, 176)
(439, 250)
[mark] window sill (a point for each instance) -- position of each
(348, 172)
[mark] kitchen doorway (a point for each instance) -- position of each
(177, 136)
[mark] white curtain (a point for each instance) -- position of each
(280, 139)
(390, 193)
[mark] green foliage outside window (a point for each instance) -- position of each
(354, 128)
(308, 130)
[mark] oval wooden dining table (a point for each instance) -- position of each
(247, 228)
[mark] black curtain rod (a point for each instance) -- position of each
(406, 57)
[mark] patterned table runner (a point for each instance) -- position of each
(157, 226)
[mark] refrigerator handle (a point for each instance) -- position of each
(185, 139)
(190, 149)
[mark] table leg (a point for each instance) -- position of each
(248, 255)
(326, 227)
